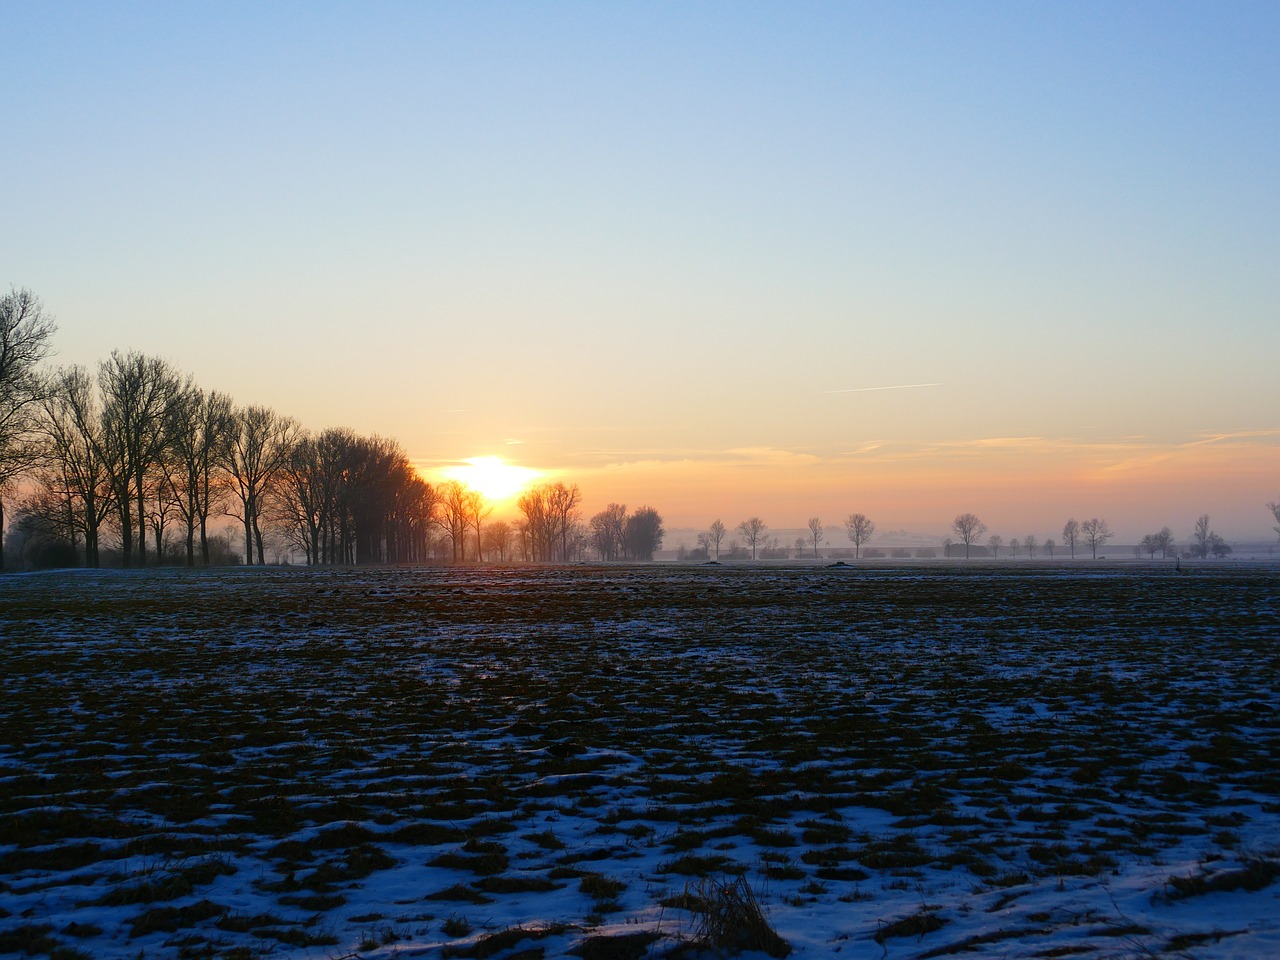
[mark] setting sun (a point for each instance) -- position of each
(493, 477)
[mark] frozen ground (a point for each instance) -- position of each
(958, 760)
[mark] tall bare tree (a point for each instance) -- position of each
(860, 531)
(753, 531)
(1030, 542)
(26, 332)
(455, 510)
(1096, 533)
(200, 429)
(816, 535)
(1071, 535)
(1049, 544)
(968, 528)
(478, 510)
(260, 446)
(995, 542)
(72, 430)
(137, 392)
(716, 534)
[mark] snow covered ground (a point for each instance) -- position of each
(978, 760)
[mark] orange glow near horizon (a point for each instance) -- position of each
(495, 478)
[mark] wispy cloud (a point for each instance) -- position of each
(894, 386)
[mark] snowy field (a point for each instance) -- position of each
(975, 760)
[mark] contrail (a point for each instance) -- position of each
(896, 386)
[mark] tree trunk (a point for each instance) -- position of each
(142, 526)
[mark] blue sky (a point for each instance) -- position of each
(619, 239)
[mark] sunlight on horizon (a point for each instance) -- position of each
(495, 478)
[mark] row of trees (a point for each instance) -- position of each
(135, 450)
(969, 529)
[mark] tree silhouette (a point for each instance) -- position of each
(968, 528)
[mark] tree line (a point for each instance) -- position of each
(134, 451)
(1093, 533)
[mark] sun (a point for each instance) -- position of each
(496, 479)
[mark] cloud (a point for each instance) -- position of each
(895, 386)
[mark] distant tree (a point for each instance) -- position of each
(1030, 542)
(550, 512)
(860, 530)
(815, 534)
(704, 544)
(1147, 545)
(1275, 513)
(1049, 544)
(753, 531)
(1096, 533)
(1202, 536)
(715, 535)
(498, 538)
(643, 534)
(478, 510)
(995, 542)
(1218, 547)
(1014, 546)
(26, 332)
(1162, 541)
(1071, 535)
(455, 516)
(801, 545)
(608, 531)
(968, 528)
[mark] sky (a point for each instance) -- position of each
(724, 259)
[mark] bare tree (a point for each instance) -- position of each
(704, 544)
(1162, 541)
(643, 534)
(716, 534)
(995, 542)
(968, 528)
(1147, 545)
(455, 508)
(478, 510)
(1203, 537)
(1030, 542)
(551, 512)
(1071, 535)
(608, 530)
(753, 531)
(72, 430)
(1275, 512)
(138, 392)
(1049, 544)
(26, 332)
(498, 537)
(1014, 546)
(860, 530)
(199, 431)
(815, 534)
(259, 449)
(1096, 533)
